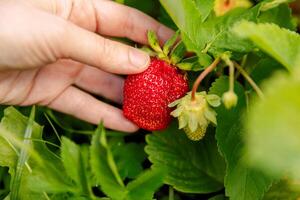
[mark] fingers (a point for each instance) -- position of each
(92, 49)
(83, 106)
(101, 83)
(107, 18)
(122, 21)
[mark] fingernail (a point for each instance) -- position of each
(139, 58)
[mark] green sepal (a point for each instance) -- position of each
(190, 59)
(190, 64)
(170, 43)
(149, 51)
(153, 42)
(178, 53)
(211, 114)
(163, 57)
(213, 100)
(195, 63)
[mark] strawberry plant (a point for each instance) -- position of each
(219, 122)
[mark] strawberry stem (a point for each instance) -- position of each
(202, 76)
(231, 76)
(250, 81)
(171, 193)
(231, 71)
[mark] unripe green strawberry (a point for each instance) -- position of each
(196, 135)
(194, 116)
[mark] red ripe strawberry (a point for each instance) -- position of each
(148, 94)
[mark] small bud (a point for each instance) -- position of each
(230, 99)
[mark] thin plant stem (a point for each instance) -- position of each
(243, 63)
(202, 76)
(231, 76)
(45, 142)
(46, 196)
(171, 193)
(250, 81)
(53, 127)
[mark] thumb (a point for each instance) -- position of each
(92, 49)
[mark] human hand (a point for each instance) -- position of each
(51, 55)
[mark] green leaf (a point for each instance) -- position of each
(44, 179)
(103, 166)
(165, 19)
(193, 167)
(146, 184)
(264, 69)
(185, 15)
(214, 35)
(194, 63)
(274, 3)
(281, 15)
(12, 129)
(281, 44)
(22, 159)
(74, 165)
(217, 35)
(70, 155)
(205, 7)
(272, 140)
(241, 181)
(13, 124)
(284, 189)
(128, 157)
(105, 170)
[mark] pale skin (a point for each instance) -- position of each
(55, 53)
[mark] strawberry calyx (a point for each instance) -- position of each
(172, 51)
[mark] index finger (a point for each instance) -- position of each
(117, 20)
(107, 18)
